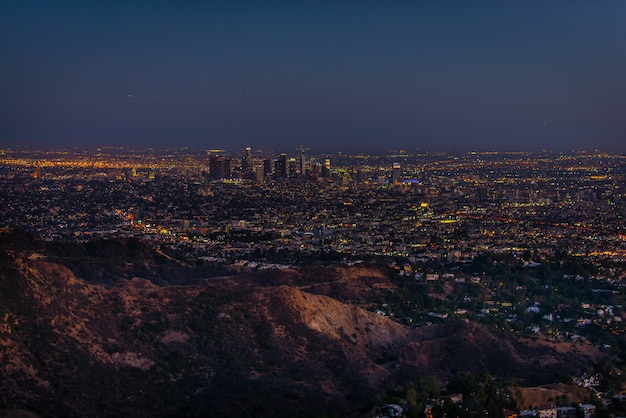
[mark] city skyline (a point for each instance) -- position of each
(352, 77)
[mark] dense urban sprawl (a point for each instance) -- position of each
(525, 242)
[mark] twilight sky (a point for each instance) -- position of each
(345, 75)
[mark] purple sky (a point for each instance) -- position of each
(356, 75)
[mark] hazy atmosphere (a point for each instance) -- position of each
(354, 76)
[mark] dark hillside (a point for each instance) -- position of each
(168, 342)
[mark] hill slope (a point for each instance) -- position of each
(227, 345)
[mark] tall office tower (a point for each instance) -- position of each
(292, 168)
(246, 161)
(259, 172)
(396, 173)
(219, 167)
(382, 176)
(302, 162)
(267, 167)
(281, 167)
(326, 168)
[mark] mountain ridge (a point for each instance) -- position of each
(240, 344)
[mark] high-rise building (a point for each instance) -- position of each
(219, 167)
(326, 169)
(292, 168)
(267, 167)
(396, 173)
(246, 161)
(382, 176)
(302, 163)
(259, 172)
(248, 165)
(281, 167)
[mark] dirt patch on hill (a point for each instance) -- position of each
(578, 348)
(559, 394)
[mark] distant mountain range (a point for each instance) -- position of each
(119, 328)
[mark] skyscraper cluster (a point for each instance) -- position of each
(262, 167)
(265, 167)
